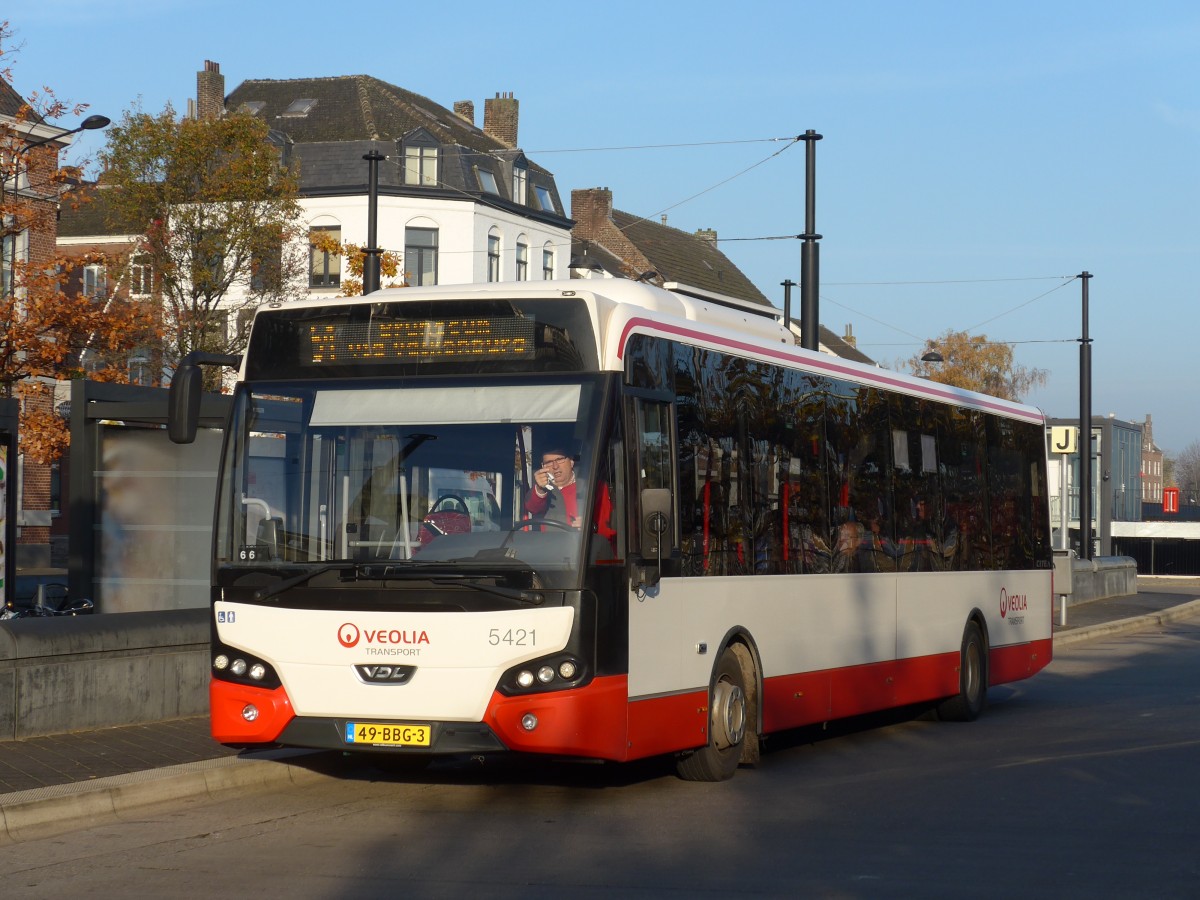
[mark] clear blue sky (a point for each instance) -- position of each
(974, 155)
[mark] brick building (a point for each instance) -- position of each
(29, 196)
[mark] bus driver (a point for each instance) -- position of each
(556, 496)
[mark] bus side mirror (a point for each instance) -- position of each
(657, 531)
(183, 404)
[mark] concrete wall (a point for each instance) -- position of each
(72, 674)
(1102, 577)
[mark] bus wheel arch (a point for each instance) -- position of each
(971, 699)
(733, 729)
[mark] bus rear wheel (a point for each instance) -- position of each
(726, 725)
(968, 703)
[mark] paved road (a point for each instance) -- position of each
(1082, 782)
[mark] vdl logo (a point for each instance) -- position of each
(1012, 602)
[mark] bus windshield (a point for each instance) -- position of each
(422, 473)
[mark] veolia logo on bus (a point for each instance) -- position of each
(1012, 602)
(350, 634)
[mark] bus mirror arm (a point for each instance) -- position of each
(644, 574)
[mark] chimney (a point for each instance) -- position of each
(849, 337)
(210, 91)
(465, 109)
(500, 115)
(591, 208)
(708, 234)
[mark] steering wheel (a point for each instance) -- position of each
(449, 515)
(451, 503)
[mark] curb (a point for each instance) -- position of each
(1133, 623)
(50, 811)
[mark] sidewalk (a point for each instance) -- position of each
(48, 784)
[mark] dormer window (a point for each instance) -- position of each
(299, 108)
(421, 159)
(519, 184)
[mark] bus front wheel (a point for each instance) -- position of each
(968, 703)
(726, 725)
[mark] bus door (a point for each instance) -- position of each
(655, 602)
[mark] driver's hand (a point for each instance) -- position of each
(542, 479)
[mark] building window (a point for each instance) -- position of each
(547, 262)
(325, 267)
(93, 281)
(544, 198)
(421, 256)
(493, 260)
(141, 277)
(140, 371)
(245, 317)
(266, 269)
(15, 252)
(522, 260)
(299, 109)
(487, 182)
(420, 165)
(520, 178)
(55, 488)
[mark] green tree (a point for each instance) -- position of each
(219, 216)
(973, 362)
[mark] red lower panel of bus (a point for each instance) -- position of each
(599, 720)
(790, 701)
(1007, 664)
(589, 722)
(226, 702)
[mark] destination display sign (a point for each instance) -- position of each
(413, 340)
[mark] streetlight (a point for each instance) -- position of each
(1085, 429)
(91, 123)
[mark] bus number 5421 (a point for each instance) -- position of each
(513, 637)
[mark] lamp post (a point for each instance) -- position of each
(372, 253)
(91, 123)
(1085, 430)
(810, 252)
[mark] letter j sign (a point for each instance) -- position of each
(1063, 438)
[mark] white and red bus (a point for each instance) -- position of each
(760, 537)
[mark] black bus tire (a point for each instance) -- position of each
(968, 703)
(727, 720)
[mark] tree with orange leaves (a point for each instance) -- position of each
(973, 362)
(49, 328)
(351, 286)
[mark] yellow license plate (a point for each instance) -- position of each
(377, 734)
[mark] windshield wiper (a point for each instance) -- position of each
(532, 598)
(440, 573)
(288, 583)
